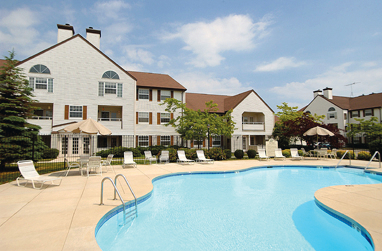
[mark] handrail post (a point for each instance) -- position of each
(131, 190)
(115, 190)
(343, 156)
(379, 158)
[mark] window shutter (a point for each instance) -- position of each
(172, 140)
(84, 112)
(172, 115)
(101, 89)
(158, 95)
(372, 111)
(172, 94)
(31, 83)
(204, 143)
(150, 118)
(119, 90)
(328, 116)
(358, 114)
(50, 84)
(136, 141)
(363, 112)
(158, 118)
(351, 114)
(151, 95)
(136, 117)
(158, 141)
(210, 141)
(137, 94)
(192, 143)
(150, 140)
(66, 116)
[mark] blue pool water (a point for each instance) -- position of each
(261, 209)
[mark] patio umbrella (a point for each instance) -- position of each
(88, 126)
(318, 131)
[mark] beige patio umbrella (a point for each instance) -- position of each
(318, 131)
(88, 126)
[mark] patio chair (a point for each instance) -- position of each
(182, 158)
(332, 154)
(202, 159)
(149, 157)
(107, 162)
(321, 153)
(29, 173)
(72, 164)
(128, 159)
(164, 157)
(279, 154)
(305, 153)
(294, 154)
(94, 164)
(263, 155)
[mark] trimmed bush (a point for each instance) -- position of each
(216, 153)
(364, 155)
(50, 153)
(228, 153)
(251, 154)
(239, 154)
(118, 152)
(342, 152)
(286, 153)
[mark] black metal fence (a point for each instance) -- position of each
(51, 153)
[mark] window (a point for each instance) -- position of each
(143, 117)
(165, 140)
(64, 145)
(331, 109)
(109, 88)
(345, 115)
(368, 112)
(75, 146)
(75, 111)
(165, 118)
(102, 141)
(41, 84)
(216, 141)
(143, 94)
(110, 75)
(354, 114)
(165, 94)
(332, 115)
(39, 68)
(198, 142)
(143, 140)
(86, 142)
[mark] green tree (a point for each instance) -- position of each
(371, 129)
(16, 105)
(196, 124)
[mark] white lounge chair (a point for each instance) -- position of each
(263, 155)
(95, 162)
(128, 159)
(72, 164)
(182, 158)
(107, 162)
(279, 154)
(164, 157)
(202, 159)
(29, 173)
(149, 157)
(294, 154)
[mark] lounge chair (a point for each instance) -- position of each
(107, 162)
(263, 155)
(279, 154)
(128, 159)
(202, 159)
(164, 157)
(95, 162)
(149, 157)
(294, 154)
(72, 164)
(29, 173)
(182, 158)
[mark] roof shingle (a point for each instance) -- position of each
(156, 80)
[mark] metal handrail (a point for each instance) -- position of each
(115, 191)
(131, 190)
(343, 156)
(373, 158)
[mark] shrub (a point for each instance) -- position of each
(300, 152)
(375, 145)
(172, 154)
(342, 152)
(286, 153)
(364, 155)
(251, 154)
(228, 153)
(239, 154)
(216, 153)
(50, 153)
(119, 152)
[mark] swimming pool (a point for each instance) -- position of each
(260, 209)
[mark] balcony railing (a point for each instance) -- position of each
(109, 119)
(42, 117)
(253, 126)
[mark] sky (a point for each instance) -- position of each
(283, 50)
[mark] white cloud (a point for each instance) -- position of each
(139, 55)
(280, 64)
(337, 78)
(163, 61)
(206, 83)
(111, 9)
(208, 40)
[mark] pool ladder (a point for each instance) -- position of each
(126, 215)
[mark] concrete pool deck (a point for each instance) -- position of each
(64, 217)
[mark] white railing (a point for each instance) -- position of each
(110, 119)
(253, 126)
(41, 117)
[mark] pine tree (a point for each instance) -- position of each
(16, 105)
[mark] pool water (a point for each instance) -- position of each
(261, 209)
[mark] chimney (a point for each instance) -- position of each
(316, 93)
(328, 93)
(93, 36)
(64, 32)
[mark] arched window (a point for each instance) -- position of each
(307, 112)
(39, 68)
(331, 109)
(110, 75)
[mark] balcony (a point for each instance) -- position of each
(110, 116)
(253, 126)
